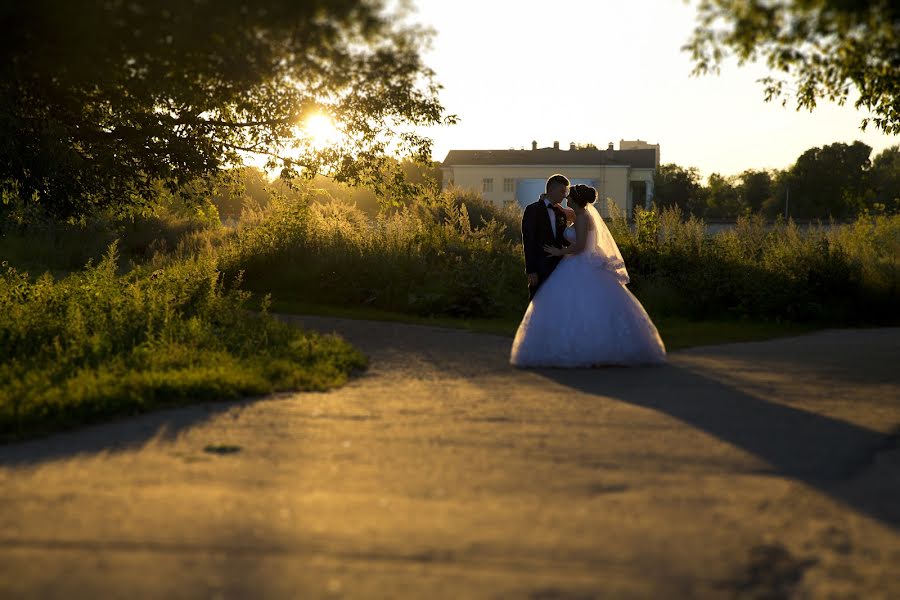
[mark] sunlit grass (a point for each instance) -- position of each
(149, 330)
(96, 345)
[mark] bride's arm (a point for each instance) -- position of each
(570, 214)
(581, 231)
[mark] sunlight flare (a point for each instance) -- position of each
(320, 131)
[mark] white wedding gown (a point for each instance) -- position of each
(583, 315)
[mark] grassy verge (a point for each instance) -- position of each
(677, 333)
(97, 345)
(680, 333)
(497, 326)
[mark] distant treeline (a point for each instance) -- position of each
(837, 181)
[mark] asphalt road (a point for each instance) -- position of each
(759, 470)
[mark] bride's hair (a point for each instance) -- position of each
(582, 194)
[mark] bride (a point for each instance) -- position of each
(583, 315)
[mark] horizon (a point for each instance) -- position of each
(718, 124)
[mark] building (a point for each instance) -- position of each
(639, 145)
(518, 177)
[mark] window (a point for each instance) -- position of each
(509, 185)
(487, 185)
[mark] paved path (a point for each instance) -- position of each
(750, 470)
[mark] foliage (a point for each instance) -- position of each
(677, 186)
(102, 101)
(835, 181)
(829, 181)
(839, 274)
(884, 180)
(723, 197)
(756, 189)
(96, 344)
(826, 47)
(40, 245)
(435, 259)
(428, 258)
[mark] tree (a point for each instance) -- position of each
(826, 47)
(677, 186)
(246, 184)
(99, 101)
(426, 174)
(756, 188)
(829, 181)
(723, 197)
(884, 178)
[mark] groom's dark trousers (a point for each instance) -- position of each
(536, 232)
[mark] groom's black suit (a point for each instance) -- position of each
(536, 232)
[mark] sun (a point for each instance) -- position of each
(320, 131)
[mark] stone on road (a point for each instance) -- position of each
(757, 470)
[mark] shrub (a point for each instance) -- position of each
(836, 273)
(425, 258)
(97, 344)
(432, 258)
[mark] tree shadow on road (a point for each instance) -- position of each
(828, 454)
(121, 435)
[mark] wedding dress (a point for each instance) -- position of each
(583, 315)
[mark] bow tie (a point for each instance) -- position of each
(557, 209)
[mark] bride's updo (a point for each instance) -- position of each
(582, 194)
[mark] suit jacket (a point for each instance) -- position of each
(537, 231)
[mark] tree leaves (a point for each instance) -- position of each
(100, 99)
(824, 48)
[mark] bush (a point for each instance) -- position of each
(433, 258)
(842, 274)
(96, 344)
(425, 259)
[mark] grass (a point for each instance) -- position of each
(681, 333)
(437, 260)
(444, 265)
(170, 320)
(495, 326)
(677, 333)
(96, 345)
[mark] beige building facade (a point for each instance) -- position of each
(517, 177)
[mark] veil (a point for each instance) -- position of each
(605, 250)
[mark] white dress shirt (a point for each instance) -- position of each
(552, 214)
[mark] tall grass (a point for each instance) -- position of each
(97, 344)
(433, 258)
(171, 324)
(426, 258)
(840, 273)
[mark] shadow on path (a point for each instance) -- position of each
(124, 434)
(823, 452)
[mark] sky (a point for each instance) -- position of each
(599, 71)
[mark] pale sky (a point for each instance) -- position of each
(508, 69)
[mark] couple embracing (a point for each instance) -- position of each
(580, 314)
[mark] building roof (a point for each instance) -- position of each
(644, 158)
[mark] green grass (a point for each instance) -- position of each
(166, 322)
(96, 345)
(680, 333)
(677, 333)
(496, 326)
(435, 258)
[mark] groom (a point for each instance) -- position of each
(543, 223)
